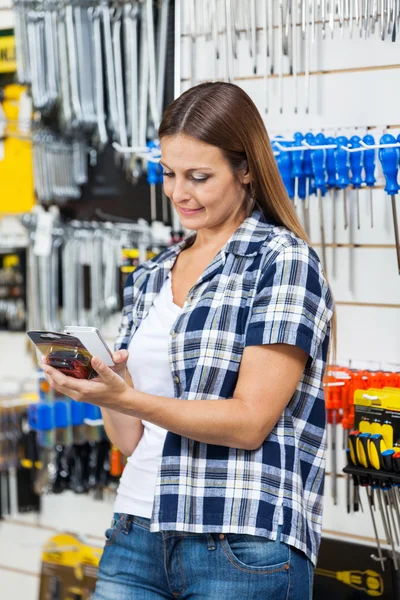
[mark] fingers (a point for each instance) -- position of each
(120, 357)
(104, 372)
(62, 383)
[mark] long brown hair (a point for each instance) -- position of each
(223, 115)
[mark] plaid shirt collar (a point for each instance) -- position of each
(245, 241)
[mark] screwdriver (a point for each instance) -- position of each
(356, 163)
(308, 172)
(376, 447)
(369, 498)
(152, 180)
(285, 169)
(318, 164)
(297, 165)
(362, 450)
(331, 173)
(342, 169)
(369, 168)
(387, 462)
(389, 158)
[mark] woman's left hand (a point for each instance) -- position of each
(107, 390)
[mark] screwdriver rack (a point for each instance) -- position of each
(372, 475)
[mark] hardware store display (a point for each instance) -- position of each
(83, 88)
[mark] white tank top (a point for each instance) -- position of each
(149, 368)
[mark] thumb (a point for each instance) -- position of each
(104, 372)
(120, 357)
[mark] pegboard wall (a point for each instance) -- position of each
(354, 89)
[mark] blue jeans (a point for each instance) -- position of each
(139, 565)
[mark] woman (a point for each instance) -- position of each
(227, 334)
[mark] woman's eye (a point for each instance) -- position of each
(167, 174)
(199, 179)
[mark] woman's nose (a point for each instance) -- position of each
(180, 190)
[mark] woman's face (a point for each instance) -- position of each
(200, 184)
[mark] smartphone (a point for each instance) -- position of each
(64, 352)
(92, 339)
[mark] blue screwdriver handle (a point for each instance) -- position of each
(356, 162)
(297, 156)
(342, 162)
(318, 165)
(330, 163)
(369, 161)
(389, 158)
(286, 170)
(307, 166)
(153, 176)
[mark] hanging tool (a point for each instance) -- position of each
(229, 42)
(369, 168)
(356, 163)
(153, 177)
(284, 161)
(342, 169)
(307, 57)
(253, 28)
(318, 164)
(309, 174)
(323, 17)
(331, 175)
(153, 99)
(389, 158)
(281, 52)
(162, 42)
(193, 39)
(369, 498)
(297, 166)
(271, 39)
(295, 55)
(266, 53)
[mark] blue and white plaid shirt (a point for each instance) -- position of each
(265, 286)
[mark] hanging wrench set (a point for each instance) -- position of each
(280, 35)
(96, 72)
(89, 259)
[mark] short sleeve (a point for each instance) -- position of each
(293, 304)
(122, 339)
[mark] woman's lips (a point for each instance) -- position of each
(189, 211)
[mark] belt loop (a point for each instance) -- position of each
(126, 521)
(210, 542)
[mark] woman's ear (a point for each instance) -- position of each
(246, 178)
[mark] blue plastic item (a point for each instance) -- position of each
(44, 415)
(318, 164)
(297, 156)
(77, 413)
(154, 169)
(342, 163)
(356, 162)
(369, 161)
(92, 412)
(330, 163)
(389, 158)
(307, 165)
(284, 162)
(61, 417)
